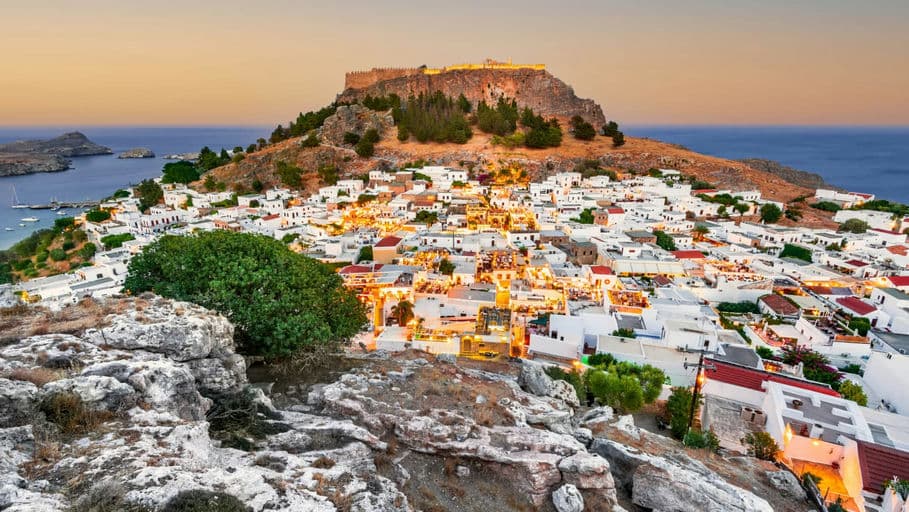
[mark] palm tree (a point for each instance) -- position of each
(402, 312)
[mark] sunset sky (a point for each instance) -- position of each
(196, 62)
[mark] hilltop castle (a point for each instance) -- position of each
(528, 84)
(363, 79)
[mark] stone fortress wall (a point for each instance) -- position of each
(363, 79)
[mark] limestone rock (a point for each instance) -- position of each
(786, 483)
(568, 499)
(355, 119)
(562, 390)
(98, 392)
(533, 378)
(17, 402)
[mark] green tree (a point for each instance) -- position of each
(97, 215)
(371, 135)
(116, 241)
(761, 445)
(678, 407)
(854, 226)
(860, 325)
(585, 217)
(854, 392)
(329, 174)
(624, 332)
(279, 301)
(364, 148)
(149, 194)
(621, 392)
(611, 128)
(365, 254)
(582, 129)
(702, 440)
(311, 141)
(402, 312)
(618, 140)
(64, 223)
(827, 206)
(446, 267)
(427, 217)
(464, 104)
(770, 213)
(665, 241)
(180, 172)
(741, 208)
(289, 174)
(796, 251)
(87, 251)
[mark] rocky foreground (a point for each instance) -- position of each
(152, 407)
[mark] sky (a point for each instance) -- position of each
(204, 62)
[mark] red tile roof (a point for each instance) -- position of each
(389, 241)
(360, 269)
(780, 305)
(856, 263)
(902, 250)
(861, 194)
(855, 305)
(602, 270)
(753, 378)
(615, 210)
(880, 464)
(271, 217)
(899, 280)
(688, 255)
(885, 231)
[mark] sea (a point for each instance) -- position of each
(859, 159)
(862, 159)
(97, 177)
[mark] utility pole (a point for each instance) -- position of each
(697, 383)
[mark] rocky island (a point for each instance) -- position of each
(51, 155)
(137, 153)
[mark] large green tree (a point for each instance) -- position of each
(279, 301)
(180, 172)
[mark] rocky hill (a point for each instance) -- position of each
(530, 87)
(151, 406)
(30, 156)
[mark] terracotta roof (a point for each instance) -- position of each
(855, 305)
(688, 255)
(753, 378)
(856, 263)
(602, 270)
(885, 231)
(780, 305)
(615, 209)
(360, 269)
(389, 241)
(271, 217)
(902, 250)
(880, 464)
(899, 280)
(861, 194)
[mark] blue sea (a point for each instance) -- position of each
(860, 159)
(96, 177)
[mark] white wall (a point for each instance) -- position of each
(888, 378)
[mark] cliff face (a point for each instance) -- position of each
(534, 88)
(15, 164)
(68, 144)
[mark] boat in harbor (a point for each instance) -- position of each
(61, 212)
(14, 201)
(10, 229)
(30, 219)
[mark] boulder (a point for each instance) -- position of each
(786, 483)
(533, 379)
(568, 499)
(17, 402)
(355, 119)
(96, 392)
(565, 392)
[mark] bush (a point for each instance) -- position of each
(702, 440)
(365, 253)
(678, 407)
(71, 415)
(826, 206)
(58, 254)
(371, 135)
(854, 392)
(67, 246)
(116, 241)
(860, 325)
(150, 194)
(311, 141)
(290, 175)
(582, 129)
(101, 497)
(601, 360)
(854, 226)
(624, 333)
(765, 353)
(761, 445)
(200, 500)
(621, 392)
(87, 251)
(279, 301)
(351, 138)
(666, 242)
(738, 307)
(63, 223)
(446, 267)
(797, 252)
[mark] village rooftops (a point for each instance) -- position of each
(897, 342)
(856, 305)
(899, 280)
(389, 241)
(879, 464)
(739, 354)
(751, 378)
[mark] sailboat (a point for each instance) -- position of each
(14, 201)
